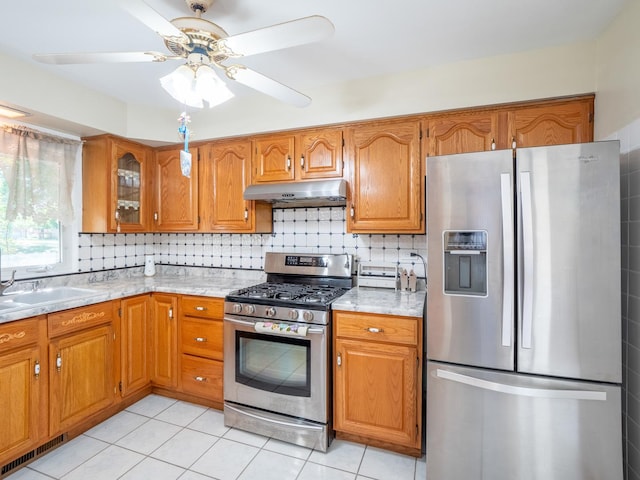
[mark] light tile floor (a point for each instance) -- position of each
(160, 438)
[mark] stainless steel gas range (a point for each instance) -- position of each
(277, 341)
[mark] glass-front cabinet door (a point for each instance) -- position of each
(129, 204)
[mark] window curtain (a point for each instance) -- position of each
(39, 170)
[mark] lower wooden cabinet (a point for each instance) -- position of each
(377, 379)
(23, 386)
(201, 346)
(81, 354)
(135, 325)
(164, 340)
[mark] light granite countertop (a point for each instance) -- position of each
(112, 285)
(382, 300)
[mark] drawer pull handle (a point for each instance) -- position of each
(374, 330)
(36, 369)
(200, 379)
(58, 362)
(200, 309)
(200, 339)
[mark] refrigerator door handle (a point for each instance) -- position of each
(507, 260)
(527, 247)
(521, 391)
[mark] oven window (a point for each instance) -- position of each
(274, 364)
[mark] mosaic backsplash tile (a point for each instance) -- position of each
(305, 230)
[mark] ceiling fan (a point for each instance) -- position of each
(204, 44)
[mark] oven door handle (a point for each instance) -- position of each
(315, 331)
(271, 420)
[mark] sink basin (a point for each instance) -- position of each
(10, 304)
(46, 295)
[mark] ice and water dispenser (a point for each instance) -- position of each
(465, 262)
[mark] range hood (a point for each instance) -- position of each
(315, 193)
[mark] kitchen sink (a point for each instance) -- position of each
(55, 294)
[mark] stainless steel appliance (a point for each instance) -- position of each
(277, 341)
(523, 314)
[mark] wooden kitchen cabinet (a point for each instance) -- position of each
(23, 382)
(115, 185)
(201, 347)
(135, 325)
(164, 340)
(552, 123)
(378, 380)
(305, 155)
(225, 172)
(175, 206)
(465, 132)
(386, 180)
(81, 356)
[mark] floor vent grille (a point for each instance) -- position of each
(32, 455)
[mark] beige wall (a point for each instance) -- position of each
(543, 73)
(618, 72)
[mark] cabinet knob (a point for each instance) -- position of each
(302, 161)
(200, 339)
(339, 360)
(246, 214)
(374, 330)
(513, 142)
(200, 379)
(288, 163)
(352, 211)
(200, 308)
(58, 362)
(36, 369)
(493, 144)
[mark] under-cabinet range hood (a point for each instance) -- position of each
(316, 193)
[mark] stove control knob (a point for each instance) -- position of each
(270, 312)
(293, 314)
(249, 309)
(237, 308)
(307, 315)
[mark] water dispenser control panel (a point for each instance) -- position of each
(465, 262)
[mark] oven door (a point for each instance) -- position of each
(279, 372)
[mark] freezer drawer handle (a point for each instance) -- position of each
(521, 391)
(507, 259)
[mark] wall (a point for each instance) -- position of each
(305, 230)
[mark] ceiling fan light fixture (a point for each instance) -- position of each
(193, 88)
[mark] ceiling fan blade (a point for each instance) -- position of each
(264, 84)
(154, 20)
(279, 36)
(104, 57)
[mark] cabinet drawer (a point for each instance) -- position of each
(79, 318)
(204, 307)
(202, 377)
(380, 328)
(18, 334)
(201, 337)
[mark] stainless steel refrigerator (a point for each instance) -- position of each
(523, 320)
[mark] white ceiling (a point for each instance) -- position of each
(372, 37)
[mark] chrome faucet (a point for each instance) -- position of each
(7, 283)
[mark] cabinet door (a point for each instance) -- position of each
(273, 159)
(385, 178)
(164, 340)
(21, 399)
(375, 391)
(319, 154)
(226, 172)
(463, 133)
(129, 178)
(135, 328)
(552, 124)
(81, 376)
(176, 204)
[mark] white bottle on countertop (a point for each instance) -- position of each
(149, 266)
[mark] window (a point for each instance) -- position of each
(38, 235)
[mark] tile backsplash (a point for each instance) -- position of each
(304, 230)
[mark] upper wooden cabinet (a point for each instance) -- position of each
(176, 196)
(464, 132)
(225, 172)
(311, 154)
(552, 124)
(385, 178)
(115, 182)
